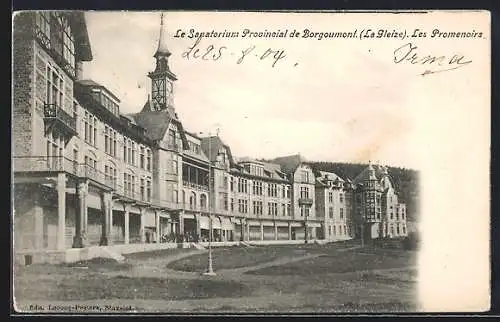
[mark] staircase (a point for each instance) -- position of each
(246, 244)
(109, 253)
(197, 246)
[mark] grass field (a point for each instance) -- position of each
(341, 278)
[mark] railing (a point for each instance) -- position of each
(305, 201)
(131, 194)
(45, 164)
(194, 185)
(55, 112)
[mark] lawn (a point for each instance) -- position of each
(237, 257)
(341, 279)
(57, 282)
(333, 261)
(156, 254)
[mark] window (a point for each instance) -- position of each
(288, 192)
(397, 229)
(90, 130)
(330, 196)
(404, 229)
(242, 185)
(142, 161)
(232, 183)
(61, 38)
(55, 87)
(341, 197)
(43, 27)
(288, 209)
(304, 192)
(224, 200)
(272, 190)
(133, 154)
(110, 174)
(341, 213)
(283, 191)
(243, 206)
(232, 204)
(257, 188)
(305, 176)
(171, 138)
(109, 141)
(334, 230)
(272, 208)
(143, 190)
(330, 212)
(283, 209)
(129, 184)
(148, 162)
(304, 211)
(257, 207)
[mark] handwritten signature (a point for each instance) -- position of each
(409, 53)
(214, 53)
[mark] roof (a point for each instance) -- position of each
(162, 49)
(377, 172)
(211, 147)
(289, 163)
(330, 176)
(156, 123)
(93, 83)
(82, 42)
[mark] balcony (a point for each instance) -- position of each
(45, 164)
(195, 186)
(55, 116)
(305, 201)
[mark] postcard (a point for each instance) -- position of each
(282, 162)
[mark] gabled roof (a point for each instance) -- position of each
(82, 43)
(289, 163)
(330, 176)
(215, 144)
(156, 123)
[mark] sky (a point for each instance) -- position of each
(329, 99)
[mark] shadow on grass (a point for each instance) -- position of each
(83, 286)
(342, 262)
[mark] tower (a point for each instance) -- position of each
(162, 78)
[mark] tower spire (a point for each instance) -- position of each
(162, 49)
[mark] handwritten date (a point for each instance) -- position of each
(213, 53)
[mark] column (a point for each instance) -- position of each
(198, 227)
(106, 205)
(80, 215)
(248, 230)
(275, 230)
(181, 223)
(61, 211)
(38, 218)
(126, 215)
(157, 225)
(261, 230)
(289, 230)
(242, 230)
(142, 231)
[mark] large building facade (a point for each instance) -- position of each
(87, 175)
